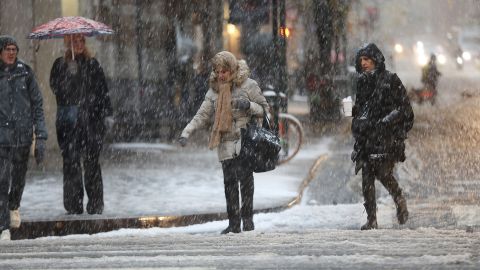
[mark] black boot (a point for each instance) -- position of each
(233, 216)
(370, 224)
(75, 212)
(402, 211)
(371, 217)
(94, 208)
(231, 229)
(248, 224)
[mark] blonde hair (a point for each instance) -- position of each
(67, 40)
(226, 60)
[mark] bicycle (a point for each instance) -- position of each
(290, 130)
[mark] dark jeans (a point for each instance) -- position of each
(81, 143)
(236, 171)
(383, 171)
(13, 168)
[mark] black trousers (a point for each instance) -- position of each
(13, 168)
(237, 171)
(383, 171)
(78, 145)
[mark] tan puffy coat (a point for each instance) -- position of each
(243, 88)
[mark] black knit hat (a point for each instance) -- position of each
(6, 40)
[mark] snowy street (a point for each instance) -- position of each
(306, 249)
(440, 178)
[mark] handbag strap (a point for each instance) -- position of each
(266, 121)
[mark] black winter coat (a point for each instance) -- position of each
(382, 115)
(21, 106)
(430, 75)
(81, 83)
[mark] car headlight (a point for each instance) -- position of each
(459, 60)
(422, 60)
(467, 56)
(442, 59)
(398, 48)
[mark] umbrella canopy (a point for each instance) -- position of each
(63, 26)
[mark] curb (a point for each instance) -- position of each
(34, 229)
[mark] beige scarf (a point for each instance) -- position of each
(223, 114)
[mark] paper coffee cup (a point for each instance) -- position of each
(347, 106)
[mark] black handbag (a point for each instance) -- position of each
(260, 146)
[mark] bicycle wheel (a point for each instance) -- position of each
(290, 132)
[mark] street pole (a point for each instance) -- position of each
(35, 49)
(277, 63)
(283, 55)
(138, 33)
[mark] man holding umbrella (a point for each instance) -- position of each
(21, 115)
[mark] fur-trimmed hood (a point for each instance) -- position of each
(240, 70)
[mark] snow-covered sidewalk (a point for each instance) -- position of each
(159, 179)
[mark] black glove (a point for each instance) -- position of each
(380, 126)
(39, 152)
(383, 124)
(182, 141)
(241, 104)
(354, 155)
(391, 118)
(360, 126)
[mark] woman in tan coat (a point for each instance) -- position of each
(232, 100)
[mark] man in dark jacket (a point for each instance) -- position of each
(382, 116)
(21, 115)
(84, 113)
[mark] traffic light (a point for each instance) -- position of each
(284, 32)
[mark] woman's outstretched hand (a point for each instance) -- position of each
(182, 141)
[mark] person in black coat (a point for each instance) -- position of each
(84, 112)
(430, 75)
(21, 116)
(382, 116)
